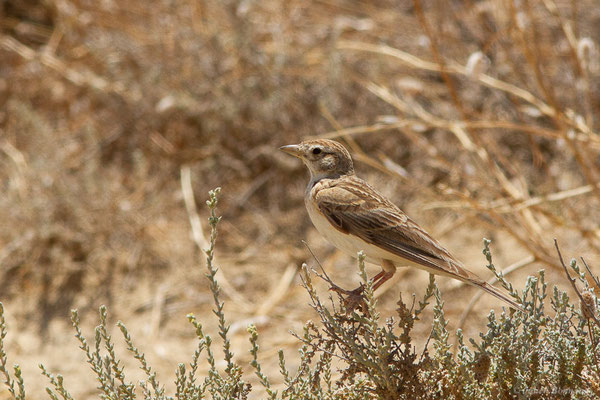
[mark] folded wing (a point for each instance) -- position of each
(355, 208)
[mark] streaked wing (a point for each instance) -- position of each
(355, 208)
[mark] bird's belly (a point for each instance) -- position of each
(347, 243)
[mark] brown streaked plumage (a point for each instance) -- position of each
(353, 216)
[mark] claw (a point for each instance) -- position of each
(354, 298)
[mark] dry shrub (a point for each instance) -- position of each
(539, 352)
(482, 111)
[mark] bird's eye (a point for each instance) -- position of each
(316, 150)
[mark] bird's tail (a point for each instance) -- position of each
(500, 295)
(456, 270)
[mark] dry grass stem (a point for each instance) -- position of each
(200, 239)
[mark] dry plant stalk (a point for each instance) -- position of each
(510, 201)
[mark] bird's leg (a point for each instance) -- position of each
(358, 290)
(378, 276)
(352, 299)
(388, 269)
(340, 291)
(385, 276)
(355, 298)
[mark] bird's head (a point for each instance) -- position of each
(324, 158)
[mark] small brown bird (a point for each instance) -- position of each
(353, 216)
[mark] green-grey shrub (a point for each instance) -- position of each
(549, 351)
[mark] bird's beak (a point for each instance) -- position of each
(292, 149)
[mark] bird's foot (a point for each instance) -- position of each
(354, 298)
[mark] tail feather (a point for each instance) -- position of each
(498, 294)
(454, 269)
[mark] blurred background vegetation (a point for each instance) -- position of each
(479, 118)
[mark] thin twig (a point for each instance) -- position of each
(426, 344)
(317, 347)
(572, 281)
(594, 278)
(327, 278)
